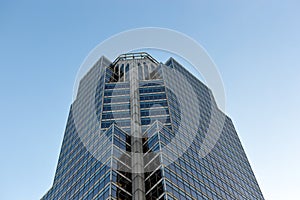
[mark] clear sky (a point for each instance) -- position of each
(255, 44)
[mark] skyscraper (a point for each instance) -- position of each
(140, 129)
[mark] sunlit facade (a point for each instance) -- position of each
(162, 113)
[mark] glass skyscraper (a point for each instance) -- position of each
(140, 129)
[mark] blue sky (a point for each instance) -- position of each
(255, 45)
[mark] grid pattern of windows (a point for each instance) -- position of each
(225, 172)
(116, 105)
(153, 103)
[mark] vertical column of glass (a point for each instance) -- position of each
(138, 184)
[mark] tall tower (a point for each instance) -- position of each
(139, 129)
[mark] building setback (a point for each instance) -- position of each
(139, 129)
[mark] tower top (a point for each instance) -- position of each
(135, 56)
